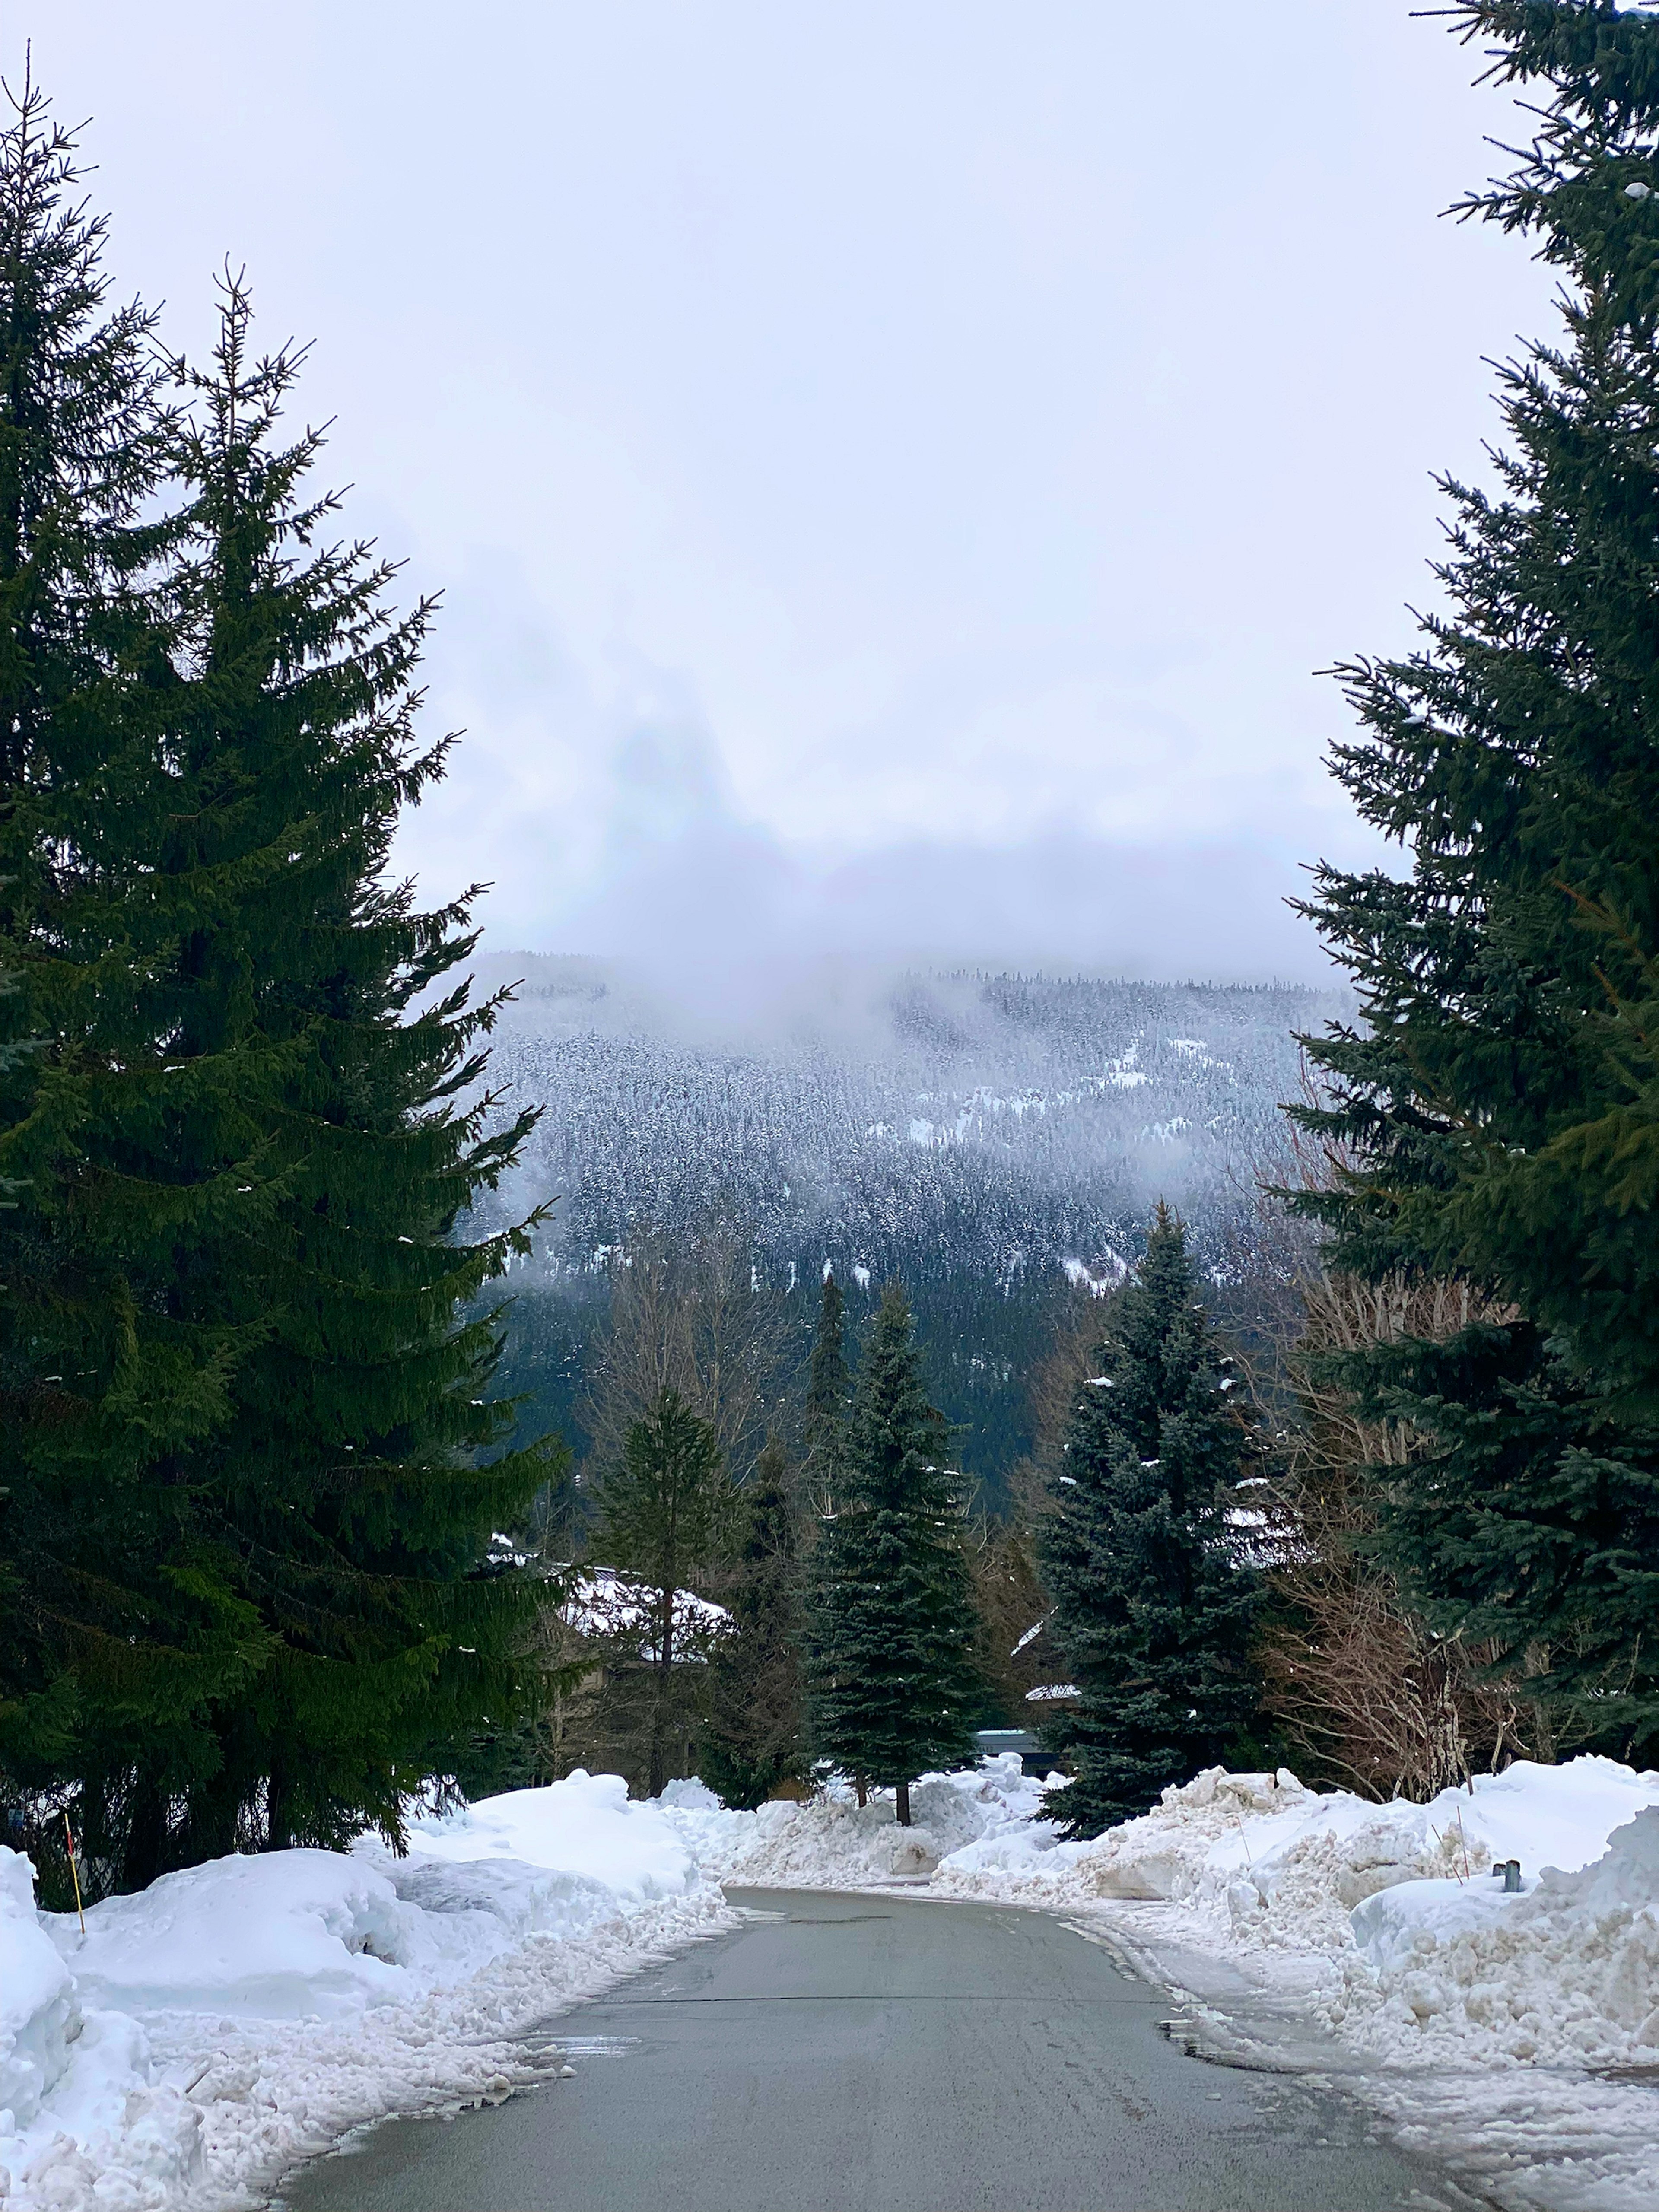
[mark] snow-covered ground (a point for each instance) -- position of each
(207, 2033)
(210, 2032)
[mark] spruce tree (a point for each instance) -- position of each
(111, 1641)
(1496, 1106)
(1153, 1607)
(892, 1678)
(260, 1497)
(828, 1389)
(663, 1516)
(347, 1498)
(754, 1737)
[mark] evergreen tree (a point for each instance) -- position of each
(1153, 1607)
(1496, 1106)
(892, 1679)
(828, 1375)
(828, 1389)
(755, 1739)
(105, 1636)
(258, 1502)
(349, 1497)
(663, 1513)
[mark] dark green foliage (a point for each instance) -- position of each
(755, 1736)
(1500, 1106)
(829, 1391)
(663, 1511)
(892, 1679)
(1535, 1513)
(1153, 1607)
(97, 1388)
(245, 1436)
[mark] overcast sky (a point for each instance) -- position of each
(893, 469)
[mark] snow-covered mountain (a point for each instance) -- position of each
(1002, 1124)
(990, 1138)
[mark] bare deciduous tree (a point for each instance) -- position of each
(1354, 1675)
(691, 1315)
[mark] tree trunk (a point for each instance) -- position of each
(904, 1804)
(280, 1805)
(863, 1788)
(657, 1765)
(140, 1859)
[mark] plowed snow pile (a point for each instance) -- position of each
(1277, 1863)
(207, 2032)
(1429, 1957)
(834, 1843)
(1566, 1973)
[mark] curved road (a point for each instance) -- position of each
(881, 2054)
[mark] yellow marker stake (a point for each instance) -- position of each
(74, 1875)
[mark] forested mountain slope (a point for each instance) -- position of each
(995, 1140)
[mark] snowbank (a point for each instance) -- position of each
(1259, 1861)
(39, 2014)
(207, 2033)
(586, 1827)
(203, 2037)
(1489, 2027)
(832, 1842)
(1566, 1973)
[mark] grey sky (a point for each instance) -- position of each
(892, 468)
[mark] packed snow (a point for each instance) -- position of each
(210, 2031)
(832, 1841)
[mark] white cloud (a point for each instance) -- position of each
(884, 437)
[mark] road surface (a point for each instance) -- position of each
(880, 2054)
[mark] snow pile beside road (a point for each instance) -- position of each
(1565, 1972)
(605, 1849)
(210, 2032)
(39, 2014)
(832, 1842)
(1259, 1862)
(1491, 2029)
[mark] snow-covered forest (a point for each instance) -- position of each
(994, 1141)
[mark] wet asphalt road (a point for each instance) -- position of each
(880, 2054)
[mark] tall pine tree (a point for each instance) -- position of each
(347, 1499)
(664, 1512)
(892, 1676)
(1154, 1606)
(108, 1644)
(829, 1391)
(259, 1486)
(1498, 1105)
(755, 1739)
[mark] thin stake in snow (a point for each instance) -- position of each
(74, 1875)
